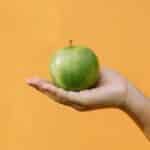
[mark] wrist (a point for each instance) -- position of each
(135, 104)
(134, 100)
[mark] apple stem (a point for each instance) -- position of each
(70, 43)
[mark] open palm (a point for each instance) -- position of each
(110, 91)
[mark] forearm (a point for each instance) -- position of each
(138, 108)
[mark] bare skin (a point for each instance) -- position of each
(111, 91)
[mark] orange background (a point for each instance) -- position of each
(30, 31)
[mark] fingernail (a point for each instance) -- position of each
(28, 81)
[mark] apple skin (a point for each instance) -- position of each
(74, 68)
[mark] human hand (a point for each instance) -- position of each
(110, 91)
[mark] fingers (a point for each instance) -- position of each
(37, 83)
(58, 94)
(83, 98)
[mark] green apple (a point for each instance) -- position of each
(74, 68)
